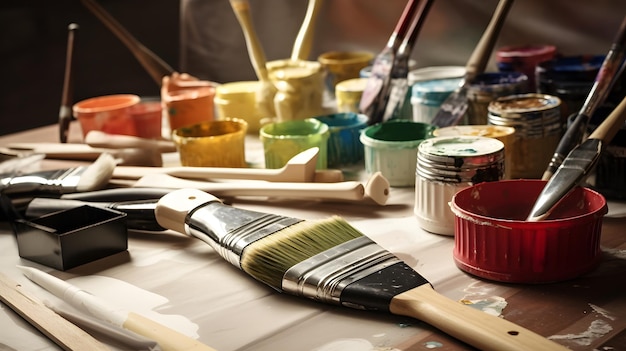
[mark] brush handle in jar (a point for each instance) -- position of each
(304, 40)
(156, 67)
(480, 56)
(607, 130)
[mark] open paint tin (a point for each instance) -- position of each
(494, 241)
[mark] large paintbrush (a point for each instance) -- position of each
(154, 65)
(455, 105)
(577, 165)
(376, 93)
(330, 261)
(598, 93)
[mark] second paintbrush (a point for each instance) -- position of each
(331, 262)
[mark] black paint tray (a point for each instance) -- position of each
(73, 237)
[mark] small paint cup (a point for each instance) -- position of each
(428, 95)
(342, 65)
(391, 148)
(348, 94)
(493, 240)
(524, 59)
(148, 116)
(188, 106)
(212, 143)
(110, 114)
(344, 146)
(283, 140)
(299, 88)
(239, 100)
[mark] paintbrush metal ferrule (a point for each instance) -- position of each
(53, 181)
(230, 230)
(324, 276)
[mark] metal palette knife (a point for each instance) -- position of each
(454, 107)
(577, 165)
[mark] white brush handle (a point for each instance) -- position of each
(349, 190)
(96, 138)
(186, 172)
(477, 328)
(65, 334)
(168, 339)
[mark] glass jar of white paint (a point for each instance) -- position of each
(446, 165)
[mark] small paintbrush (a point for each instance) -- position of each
(61, 181)
(169, 339)
(604, 80)
(65, 111)
(330, 261)
(454, 106)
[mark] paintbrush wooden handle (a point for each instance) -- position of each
(304, 40)
(96, 138)
(257, 55)
(477, 328)
(168, 339)
(346, 191)
(65, 334)
(65, 111)
(480, 56)
(154, 65)
(612, 124)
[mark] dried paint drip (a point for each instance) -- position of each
(446, 165)
(433, 344)
(596, 330)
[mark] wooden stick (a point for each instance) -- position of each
(156, 67)
(65, 334)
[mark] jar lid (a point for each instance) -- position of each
(461, 159)
(518, 105)
(435, 88)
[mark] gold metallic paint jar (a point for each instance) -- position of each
(537, 122)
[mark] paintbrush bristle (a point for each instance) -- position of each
(96, 175)
(269, 258)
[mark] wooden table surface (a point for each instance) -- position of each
(201, 294)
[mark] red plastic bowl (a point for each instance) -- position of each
(494, 241)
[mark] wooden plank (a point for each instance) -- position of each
(65, 334)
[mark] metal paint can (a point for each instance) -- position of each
(537, 122)
(488, 87)
(570, 78)
(446, 165)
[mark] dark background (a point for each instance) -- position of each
(33, 43)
